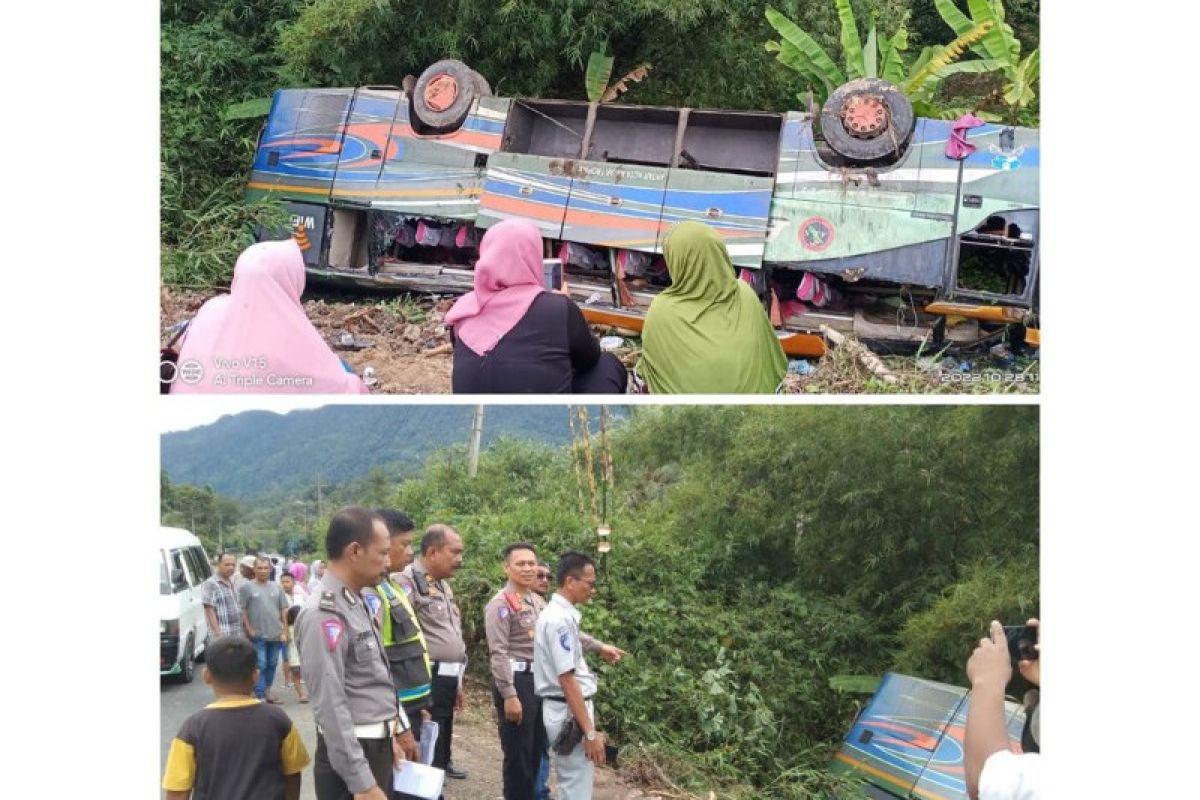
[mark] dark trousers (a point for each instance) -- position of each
(329, 784)
(607, 376)
(445, 692)
(522, 744)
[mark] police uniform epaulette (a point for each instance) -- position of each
(514, 601)
(420, 582)
(328, 601)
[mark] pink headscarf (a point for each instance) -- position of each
(257, 339)
(299, 571)
(508, 277)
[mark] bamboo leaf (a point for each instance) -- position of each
(870, 53)
(792, 34)
(599, 71)
(852, 50)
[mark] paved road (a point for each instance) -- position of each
(179, 701)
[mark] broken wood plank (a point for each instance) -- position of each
(865, 356)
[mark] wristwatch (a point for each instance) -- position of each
(590, 735)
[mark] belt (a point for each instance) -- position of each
(448, 669)
(558, 699)
(521, 666)
(373, 730)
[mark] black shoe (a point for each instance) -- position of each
(454, 772)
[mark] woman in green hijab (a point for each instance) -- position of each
(707, 333)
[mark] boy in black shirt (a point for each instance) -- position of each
(237, 748)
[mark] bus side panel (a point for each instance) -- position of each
(615, 205)
(299, 151)
(735, 206)
(519, 186)
(366, 144)
(443, 175)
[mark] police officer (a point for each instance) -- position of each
(424, 583)
(509, 620)
(403, 640)
(563, 681)
(361, 729)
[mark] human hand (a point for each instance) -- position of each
(595, 749)
(283, 637)
(426, 715)
(374, 793)
(404, 748)
(990, 665)
(563, 289)
(460, 702)
(611, 653)
(1032, 670)
(512, 709)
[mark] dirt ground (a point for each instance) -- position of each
(406, 347)
(476, 748)
(409, 347)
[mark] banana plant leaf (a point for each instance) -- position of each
(870, 53)
(852, 49)
(599, 71)
(792, 34)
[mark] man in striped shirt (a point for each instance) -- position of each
(217, 594)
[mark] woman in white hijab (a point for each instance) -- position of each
(316, 573)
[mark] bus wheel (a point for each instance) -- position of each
(866, 120)
(443, 95)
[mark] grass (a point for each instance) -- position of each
(406, 307)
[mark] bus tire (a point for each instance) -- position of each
(888, 141)
(443, 95)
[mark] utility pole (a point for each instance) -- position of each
(318, 495)
(476, 435)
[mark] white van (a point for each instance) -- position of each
(183, 628)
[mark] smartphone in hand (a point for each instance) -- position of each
(1021, 641)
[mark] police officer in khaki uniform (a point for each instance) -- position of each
(563, 681)
(361, 729)
(509, 620)
(424, 583)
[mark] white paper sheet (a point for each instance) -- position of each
(418, 780)
(429, 737)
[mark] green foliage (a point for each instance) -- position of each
(934, 640)
(1000, 45)
(878, 57)
(214, 57)
(599, 71)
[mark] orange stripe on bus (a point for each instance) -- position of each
(885, 776)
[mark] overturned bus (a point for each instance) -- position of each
(908, 741)
(853, 217)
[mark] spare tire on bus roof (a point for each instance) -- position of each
(867, 119)
(443, 95)
(482, 87)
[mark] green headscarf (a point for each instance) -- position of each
(707, 333)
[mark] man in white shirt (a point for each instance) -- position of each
(994, 772)
(562, 679)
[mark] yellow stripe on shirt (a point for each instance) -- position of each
(292, 753)
(180, 774)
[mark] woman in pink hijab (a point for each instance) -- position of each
(513, 336)
(257, 338)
